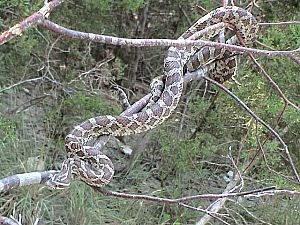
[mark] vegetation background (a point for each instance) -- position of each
(69, 82)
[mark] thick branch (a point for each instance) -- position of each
(219, 203)
(154, 42)
(24, 179)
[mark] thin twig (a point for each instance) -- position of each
(276, 87)
(241, 103)
(250, 213)
(207, 212)
(293, 58)
(268, 135)
(280, 23)
(21, 82)
(259, 192)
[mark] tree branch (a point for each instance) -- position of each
(32, 20)
(154, 42)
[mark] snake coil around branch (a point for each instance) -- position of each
(95, 168)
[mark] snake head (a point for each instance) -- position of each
(62, 178)
(55, 182)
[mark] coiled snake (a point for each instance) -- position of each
(95, 168)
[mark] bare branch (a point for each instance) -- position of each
(295, 59)
(219, 203)
(207, 212)
(24, 179)
(249, 213)
(276, 87)
(280, 23)
(285, 147)
(32, 20)
(254, 193)
(154, 42)
(20, 82)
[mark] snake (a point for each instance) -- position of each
(95, 168)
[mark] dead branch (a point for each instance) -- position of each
(32, 20)
(254, 193)
(280, 23)
(209, 213)
(293, 58)
(24, 179)
(275, 86)
(154, 42)
(219, 203)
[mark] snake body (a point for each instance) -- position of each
(95, 168)
(225, 61)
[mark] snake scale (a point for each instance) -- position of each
(95, 168)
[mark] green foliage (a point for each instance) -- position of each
(76, 109)
(84, 106)
(131, 4)
(21, 8)
(8, 144)
(225, 123)
(285, 73)
(7, 131)
(105, 5)
(281, 10)
(280, 38)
